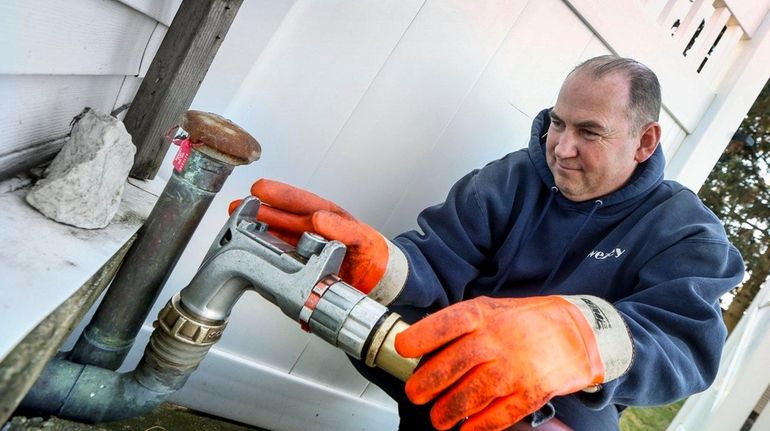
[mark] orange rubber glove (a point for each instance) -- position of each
(372, 264)
(496, 360)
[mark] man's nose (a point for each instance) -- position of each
(566, 146)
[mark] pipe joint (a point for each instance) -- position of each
(342, 316)
(177, 346)
(205, 172)
(187, 328)
(168, 362)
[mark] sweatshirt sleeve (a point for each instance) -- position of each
(457, 236)
(445, 256)
(675, 321)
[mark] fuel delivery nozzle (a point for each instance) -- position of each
(302, 281)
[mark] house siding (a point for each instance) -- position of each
(61, 56)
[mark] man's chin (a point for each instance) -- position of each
(569, 191)
(565, 187)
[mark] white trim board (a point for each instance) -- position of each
(160, 10)
(45, 262)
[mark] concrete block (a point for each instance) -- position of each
(84, 184)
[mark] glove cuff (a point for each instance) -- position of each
(393, 280)
(613, 339)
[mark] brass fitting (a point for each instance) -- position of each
(382, 349)
(183, 326)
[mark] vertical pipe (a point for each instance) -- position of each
(85, 387)
(109, 336)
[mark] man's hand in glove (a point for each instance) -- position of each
(372, 264)
(496, 360)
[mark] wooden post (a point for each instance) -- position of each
(174, 76)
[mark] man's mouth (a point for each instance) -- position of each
(566, 167)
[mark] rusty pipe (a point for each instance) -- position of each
(93, 394)
(81, 384)
(212, 148)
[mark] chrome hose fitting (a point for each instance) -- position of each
(363, 328)
(300, 280)
(341, 315)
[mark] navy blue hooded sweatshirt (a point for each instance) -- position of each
(651, 248)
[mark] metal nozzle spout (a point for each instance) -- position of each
(301, 282)
(245, 257)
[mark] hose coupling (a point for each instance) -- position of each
(382, 349)
(183, 326)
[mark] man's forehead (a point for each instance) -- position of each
(617, 77)
(583, 95)
(584, 121)
(611, 87)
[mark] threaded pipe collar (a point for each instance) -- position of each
(185, 327)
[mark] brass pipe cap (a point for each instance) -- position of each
(220, 138)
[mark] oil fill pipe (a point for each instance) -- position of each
(81, 384)
(210, 147)
(244, 256)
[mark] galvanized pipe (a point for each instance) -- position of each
(109, 336)
(89, 394)
(82, 384)
(215, 146)
(92, 394)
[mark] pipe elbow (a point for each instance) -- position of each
(90, 394)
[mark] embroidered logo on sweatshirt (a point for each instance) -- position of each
(616, 253)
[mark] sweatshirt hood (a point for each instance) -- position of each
(645, 178)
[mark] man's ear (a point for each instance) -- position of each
(648, 141)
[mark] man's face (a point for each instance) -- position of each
(589, 148)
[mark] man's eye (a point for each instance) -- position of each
(558, 125)
(591, 136)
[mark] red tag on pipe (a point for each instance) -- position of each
(185, 146)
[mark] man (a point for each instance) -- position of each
(568, 271)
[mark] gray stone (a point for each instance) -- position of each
(84, 183)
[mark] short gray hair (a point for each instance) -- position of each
(644, 99)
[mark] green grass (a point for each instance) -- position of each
(649, 418)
